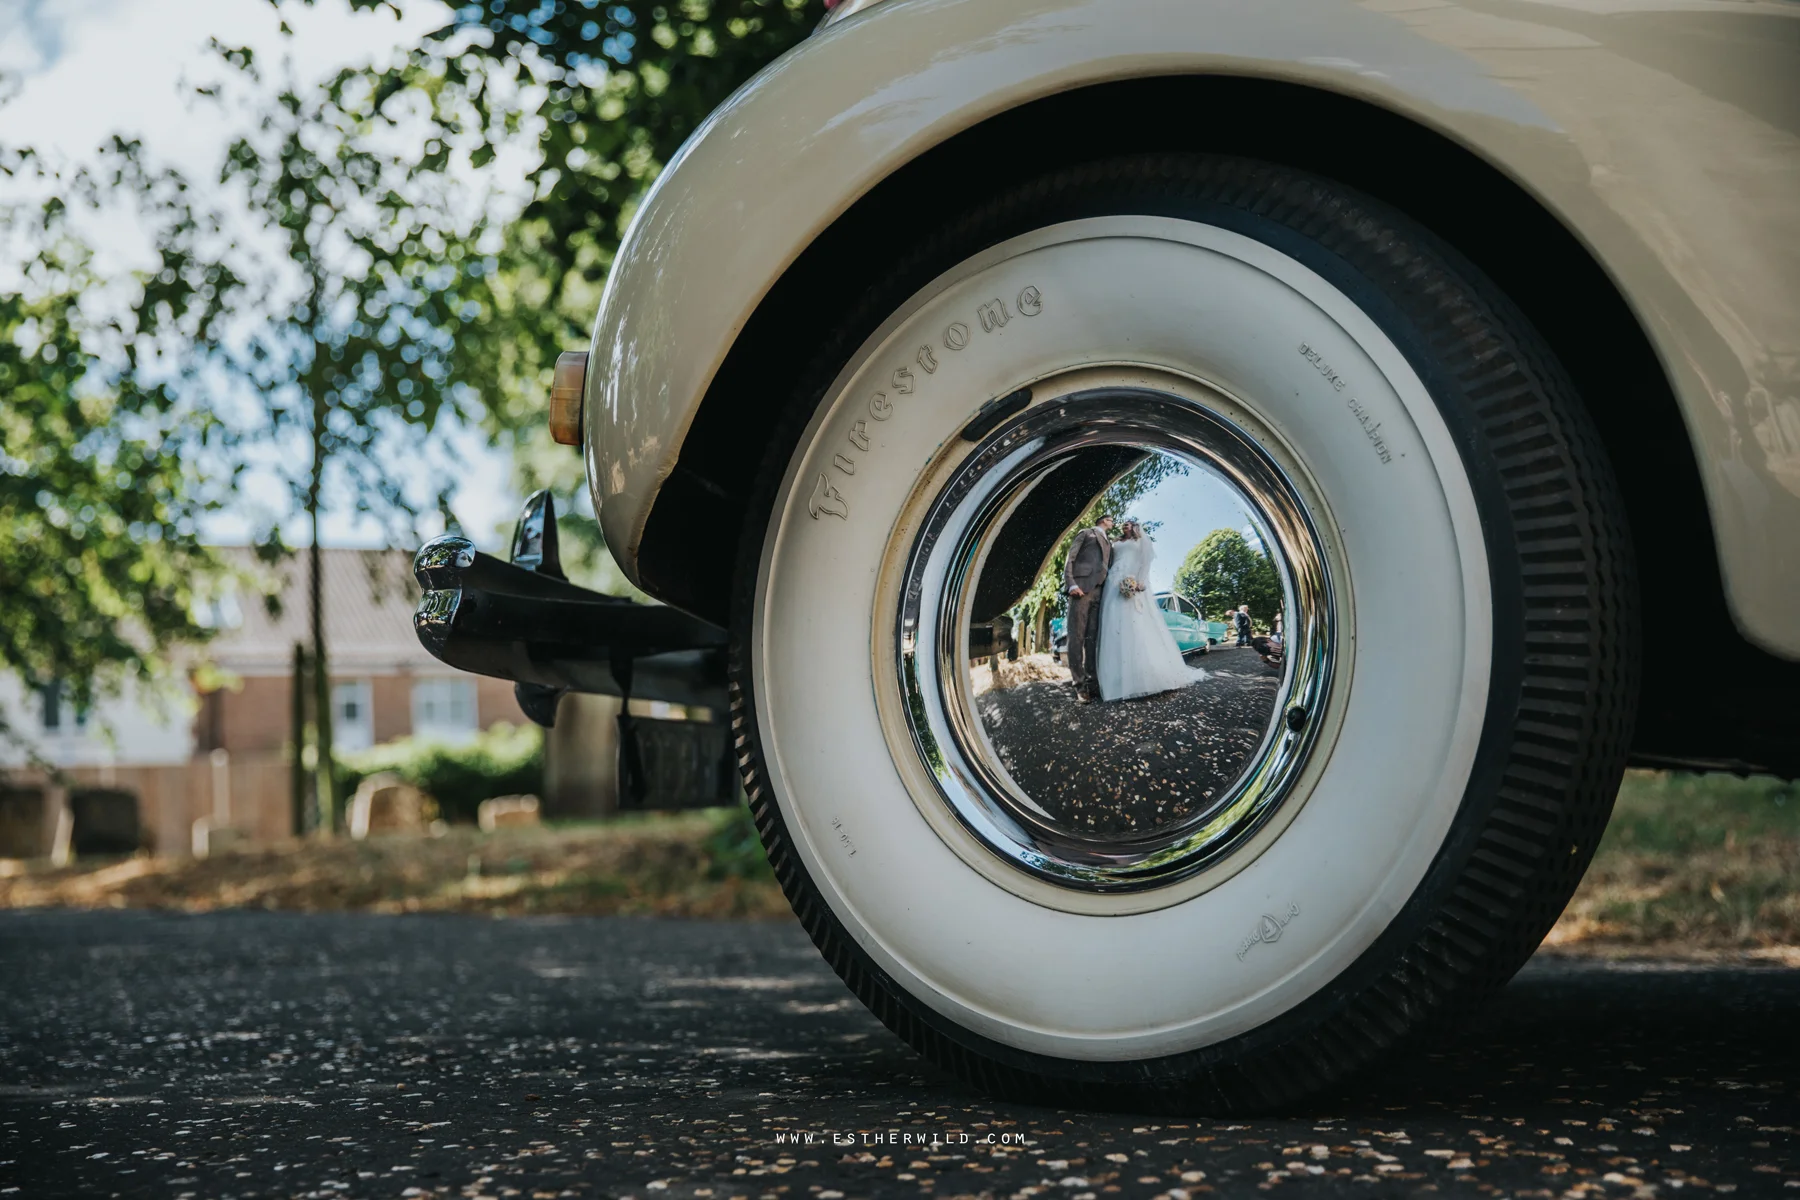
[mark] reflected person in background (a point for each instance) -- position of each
(1084, 579)
(1138, 655)
(1272, 648)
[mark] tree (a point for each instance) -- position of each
(368, 309)
(1224, 571)
(101, 565)
(610, 91)
(624, 84)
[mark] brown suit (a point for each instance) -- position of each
(1090, 554)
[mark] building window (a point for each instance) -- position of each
(444, 709)
(58, 713)
(220, 610)
(352, 716)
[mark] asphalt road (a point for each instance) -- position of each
(346, 1056)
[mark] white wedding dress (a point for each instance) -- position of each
(1137, 655)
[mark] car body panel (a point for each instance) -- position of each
(1665, 134)
(844, 8)
(1189, 637)
(1184, 622)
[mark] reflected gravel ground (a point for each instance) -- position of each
(246, 1054)
(1133, 766)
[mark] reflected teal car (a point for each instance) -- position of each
(1192, 631)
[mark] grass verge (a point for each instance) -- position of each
(1692, 866)
(678, 865)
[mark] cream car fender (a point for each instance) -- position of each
(1683, 191)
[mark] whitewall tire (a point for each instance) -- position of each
(1442, 742)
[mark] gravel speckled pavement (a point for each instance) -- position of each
(1133, 766)
(265, 1055)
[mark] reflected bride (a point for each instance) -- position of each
(1137, 655)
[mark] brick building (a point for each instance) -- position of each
(385, 685)
(158, 763)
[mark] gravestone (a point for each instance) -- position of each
(507, 812)
(209, 839)
(385, 803)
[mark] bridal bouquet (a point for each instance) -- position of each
(1129, 587)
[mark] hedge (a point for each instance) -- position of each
(505, 760)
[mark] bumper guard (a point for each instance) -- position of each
(524, 621)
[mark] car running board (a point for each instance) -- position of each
(524, 621)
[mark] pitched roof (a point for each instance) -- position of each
(368, 595)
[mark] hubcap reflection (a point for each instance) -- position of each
(1074, 672)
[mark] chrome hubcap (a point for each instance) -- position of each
(1118, 794)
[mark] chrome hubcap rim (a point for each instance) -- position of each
(931, 644)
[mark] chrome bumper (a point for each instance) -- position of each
(522, 620)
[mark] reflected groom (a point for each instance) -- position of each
(1084, 578)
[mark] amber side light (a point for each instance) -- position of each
(566, 388)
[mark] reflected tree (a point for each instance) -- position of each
(1224, 571)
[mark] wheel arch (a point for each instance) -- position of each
(1474, 206)
(690, 537)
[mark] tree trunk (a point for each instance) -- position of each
(298, 777)
(325, 773)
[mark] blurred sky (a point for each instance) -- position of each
(1189, 506)
(78, 71)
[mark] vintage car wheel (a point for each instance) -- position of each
(1286, 875)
